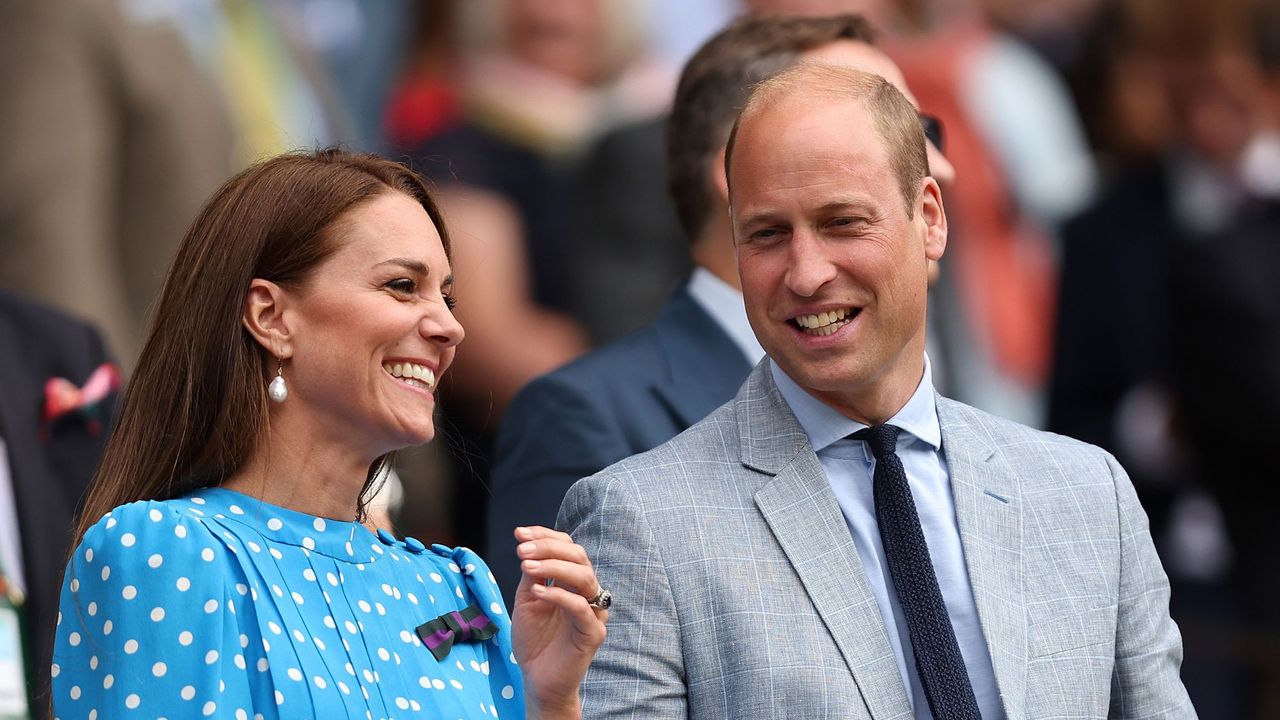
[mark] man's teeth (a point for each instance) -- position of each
(412, 374)
(824, 323)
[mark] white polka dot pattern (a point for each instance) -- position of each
(172, 609)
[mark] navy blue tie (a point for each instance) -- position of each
(938, 660)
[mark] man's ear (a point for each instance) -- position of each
(716, 177)
(934, 217)
(266, 318)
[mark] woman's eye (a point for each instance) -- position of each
(450, 302)
(403, 286)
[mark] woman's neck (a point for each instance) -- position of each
(303, 472)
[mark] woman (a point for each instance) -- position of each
(221, 568)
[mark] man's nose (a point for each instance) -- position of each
(810, 266)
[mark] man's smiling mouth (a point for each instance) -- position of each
(825, 323)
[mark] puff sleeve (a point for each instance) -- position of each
(147, 623)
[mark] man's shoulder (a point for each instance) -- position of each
(37, 320)
(1019, 443)
(609, 381)
(46, 331)
(44, 342)
(672, 482)
(709, 447)
(636, 353)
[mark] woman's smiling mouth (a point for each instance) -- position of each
(412, 374)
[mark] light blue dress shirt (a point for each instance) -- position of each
(849, 465)
(723, 302)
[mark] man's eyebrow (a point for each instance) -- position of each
(838, 205)
(844, 205)
(768, 216)
(406, 263)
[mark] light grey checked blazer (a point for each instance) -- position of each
(738, 592)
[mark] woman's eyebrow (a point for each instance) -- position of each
(406, 263)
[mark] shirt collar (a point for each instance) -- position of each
(824, 425)
(724, 304)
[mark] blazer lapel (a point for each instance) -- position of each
(705, 367)
(806, 520)
(989, 512)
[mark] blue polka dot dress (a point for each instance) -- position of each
(218, 605)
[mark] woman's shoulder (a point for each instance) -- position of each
(150, 523)
(147, 539)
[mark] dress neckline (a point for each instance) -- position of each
(341, 540)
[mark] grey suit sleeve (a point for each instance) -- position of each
(1145, 682)
(554, 433)
(639, 672)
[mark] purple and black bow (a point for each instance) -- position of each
(467, 624)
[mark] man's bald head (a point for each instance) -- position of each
(893, 116)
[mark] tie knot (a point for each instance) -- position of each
(883, 439)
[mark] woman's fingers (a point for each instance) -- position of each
(586, 619)
(547, 548)
(538, 532)
(580, 578)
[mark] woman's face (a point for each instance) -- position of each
(372, 330)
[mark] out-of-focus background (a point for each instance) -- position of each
(1113, 272)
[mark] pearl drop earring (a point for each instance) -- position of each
(278, 390)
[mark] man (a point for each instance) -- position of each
(641, 391)
(52, 433)
(838, 541)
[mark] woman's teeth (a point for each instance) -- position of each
(413, 374)
(825, 323)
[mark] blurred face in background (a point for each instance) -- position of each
(1215, 102)
(879, 12)
(850, 53)
(565, 37)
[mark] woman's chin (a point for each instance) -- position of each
(413, 437)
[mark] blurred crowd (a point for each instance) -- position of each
(1113, 272)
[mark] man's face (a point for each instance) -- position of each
(834, 272)
(864, 57)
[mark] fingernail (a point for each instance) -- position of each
(522, 531)
(538, 589)
(526, 547)
(532, 564)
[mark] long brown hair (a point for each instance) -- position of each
(197, 403)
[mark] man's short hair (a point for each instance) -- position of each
(715, 84)
(894, 117)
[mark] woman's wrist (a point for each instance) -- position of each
(569, 708)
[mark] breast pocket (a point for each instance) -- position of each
(1061, 628)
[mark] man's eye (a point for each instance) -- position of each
(403, 286)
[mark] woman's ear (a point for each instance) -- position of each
(266, 317)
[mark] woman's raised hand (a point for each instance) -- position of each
(556, 631)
